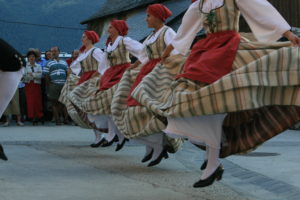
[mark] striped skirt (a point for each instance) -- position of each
(88, 100)
(96, 104)
(136, 121)
(264, 83)
(69, 86)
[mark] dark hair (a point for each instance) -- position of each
(56, 47)
(31, 52)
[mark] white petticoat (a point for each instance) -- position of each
(199, 129)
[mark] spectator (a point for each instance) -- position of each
(39, 60)
(22, 101)
(32, 79)
(46, 111)
(13, 108)
(75, 54)
(48, 55)
(56, 75)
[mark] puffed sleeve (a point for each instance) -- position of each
(100, 56)
(192, 23)
(76, 67)
(136, 49)
(169, 37)
(264, 20)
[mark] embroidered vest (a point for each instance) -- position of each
(89, 63)
(156, 49)
(119, 55)
(225, 18)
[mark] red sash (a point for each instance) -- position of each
(112, 76)
(85, 76)
(212, 57)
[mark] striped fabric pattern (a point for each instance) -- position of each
(155, 50)
(260, 80)
(99, 102)
(136, 121)
(90, 100)
(57, 71)
(88, 64)
(68, 87)
(261, 95)
(119, 55)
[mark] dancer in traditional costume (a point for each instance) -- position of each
(11, 72)
(256, 83)
(132, 119)
(81, 70)
(84, 69)
(97, 106)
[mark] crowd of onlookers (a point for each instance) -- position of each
(36, 99)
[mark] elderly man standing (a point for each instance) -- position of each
(11, 73)
(56, 76)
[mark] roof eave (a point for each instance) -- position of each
(122, 12)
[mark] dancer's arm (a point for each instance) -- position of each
(264, 20)
(75, 68)
(101, 57)
(135, 65)
(295, 40)
(192, 23)
(136, 49)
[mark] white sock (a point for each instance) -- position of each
(118, 133)
(148, 150)
(98, 136)
(206, 153)
(157, 151)
(110, 135)
(213, 162)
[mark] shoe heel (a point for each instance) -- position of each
(166, 156)
(220, 175)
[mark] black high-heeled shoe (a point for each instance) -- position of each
(163, 154)
(147, 157)
(120, 146)
(98, 144)
(203, 166)
(2, 154)
(217, 175)
(107, 144)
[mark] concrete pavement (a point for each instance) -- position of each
(49, 162)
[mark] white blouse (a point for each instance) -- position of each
(264, 20)
(33, 73)
(97, 54)
(134, 47)
(169, 36)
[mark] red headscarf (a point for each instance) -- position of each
(160, 11)
(193, 1)
(121, 27)
(91, 35)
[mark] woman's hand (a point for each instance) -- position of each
(95, 74)
(135, 65)
(294, 39)
(69, 71)
(166, 53)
